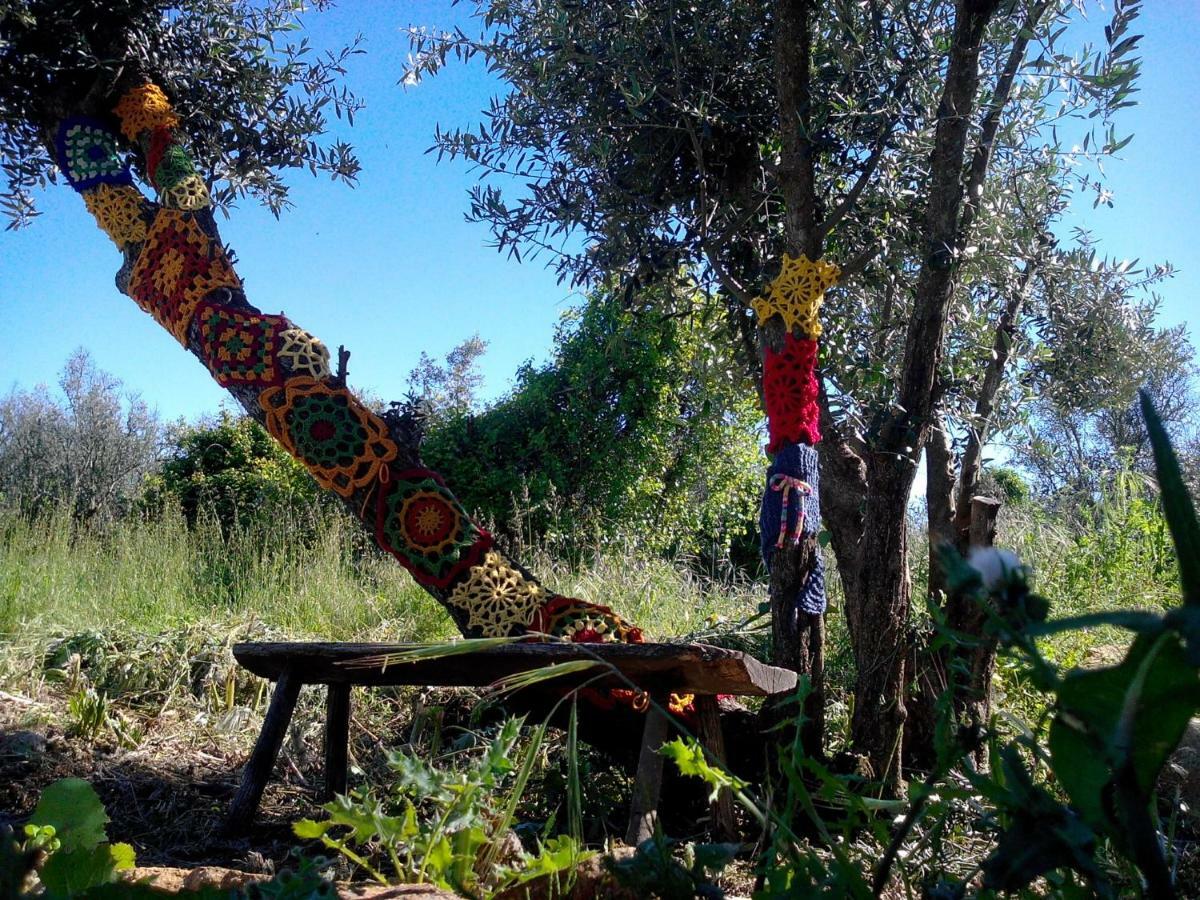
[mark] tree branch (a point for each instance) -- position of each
(981, 158)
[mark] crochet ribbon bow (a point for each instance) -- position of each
(786, 484)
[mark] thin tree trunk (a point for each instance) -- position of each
(798, 636)
(927, 667)
(879, 597)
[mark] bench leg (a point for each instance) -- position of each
(262, 760)
(712, 738)
(337, 739)
(643, 811)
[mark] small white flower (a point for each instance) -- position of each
(995, 566)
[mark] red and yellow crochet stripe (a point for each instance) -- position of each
(178, 267)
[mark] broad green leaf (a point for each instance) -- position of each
(310, 829)
(1177, 504)
(70, 874)
(1133, 712)
(74, 809)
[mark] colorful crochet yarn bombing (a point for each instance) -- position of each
(167, 163)
(118, 212)
(303, 354)
(498, 599)
(581, 622)
(342, 443)
(144, 108)
(423, 525)
(189, 192)
(790, 393)
(239, 346)
(794, 465)
(178, 266)
(88, 155)
(796, 294)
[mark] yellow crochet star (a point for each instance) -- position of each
(796, 293)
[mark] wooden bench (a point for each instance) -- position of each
(658, 669)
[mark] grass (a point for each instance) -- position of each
(118, 640)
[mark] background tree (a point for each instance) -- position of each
(912, 143)
(641, 427)
(449, 388)
(231, 469)
(89, 448)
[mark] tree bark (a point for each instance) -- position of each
(798, 637)
(878, 596)
(927, 667)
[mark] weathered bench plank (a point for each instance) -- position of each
(681, 668)
(659, 669)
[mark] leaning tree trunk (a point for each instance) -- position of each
(176, 269)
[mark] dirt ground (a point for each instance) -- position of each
(168, 796)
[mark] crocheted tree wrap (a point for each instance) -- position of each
(190, 192)
(796, 294)
(423, 525)
(583, 623)
(498, 599)
(172, 172)
(239, 346)
(178, 266)
(790, 392)
(144, 108)
(303, 354)
(799, 462)
(342, 443)
(88, 155)
(118, 212)
(169, 166)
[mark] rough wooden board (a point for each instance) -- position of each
(683, 668)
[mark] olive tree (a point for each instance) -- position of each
(913, 144)
(204, 101)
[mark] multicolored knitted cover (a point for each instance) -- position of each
(791, 505)
(88, 154)
(792, 465)
(423, 525)
(342, 443)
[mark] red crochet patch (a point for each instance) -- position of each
(423, 525)
(790, 389)
(179, 265)
(239, 346)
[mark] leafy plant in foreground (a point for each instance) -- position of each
(445, 826)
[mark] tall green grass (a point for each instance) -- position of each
(315, 575)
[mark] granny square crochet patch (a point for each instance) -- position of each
(341, 442)
(144, 108)
(304, 354)
(88, 155)
(423, 525)
(796, 293)
(239, 346)
(582, 622)
(790, 392)
(178, 266)
(118, 212)
(498, 599)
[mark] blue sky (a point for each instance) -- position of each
(390, 268)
